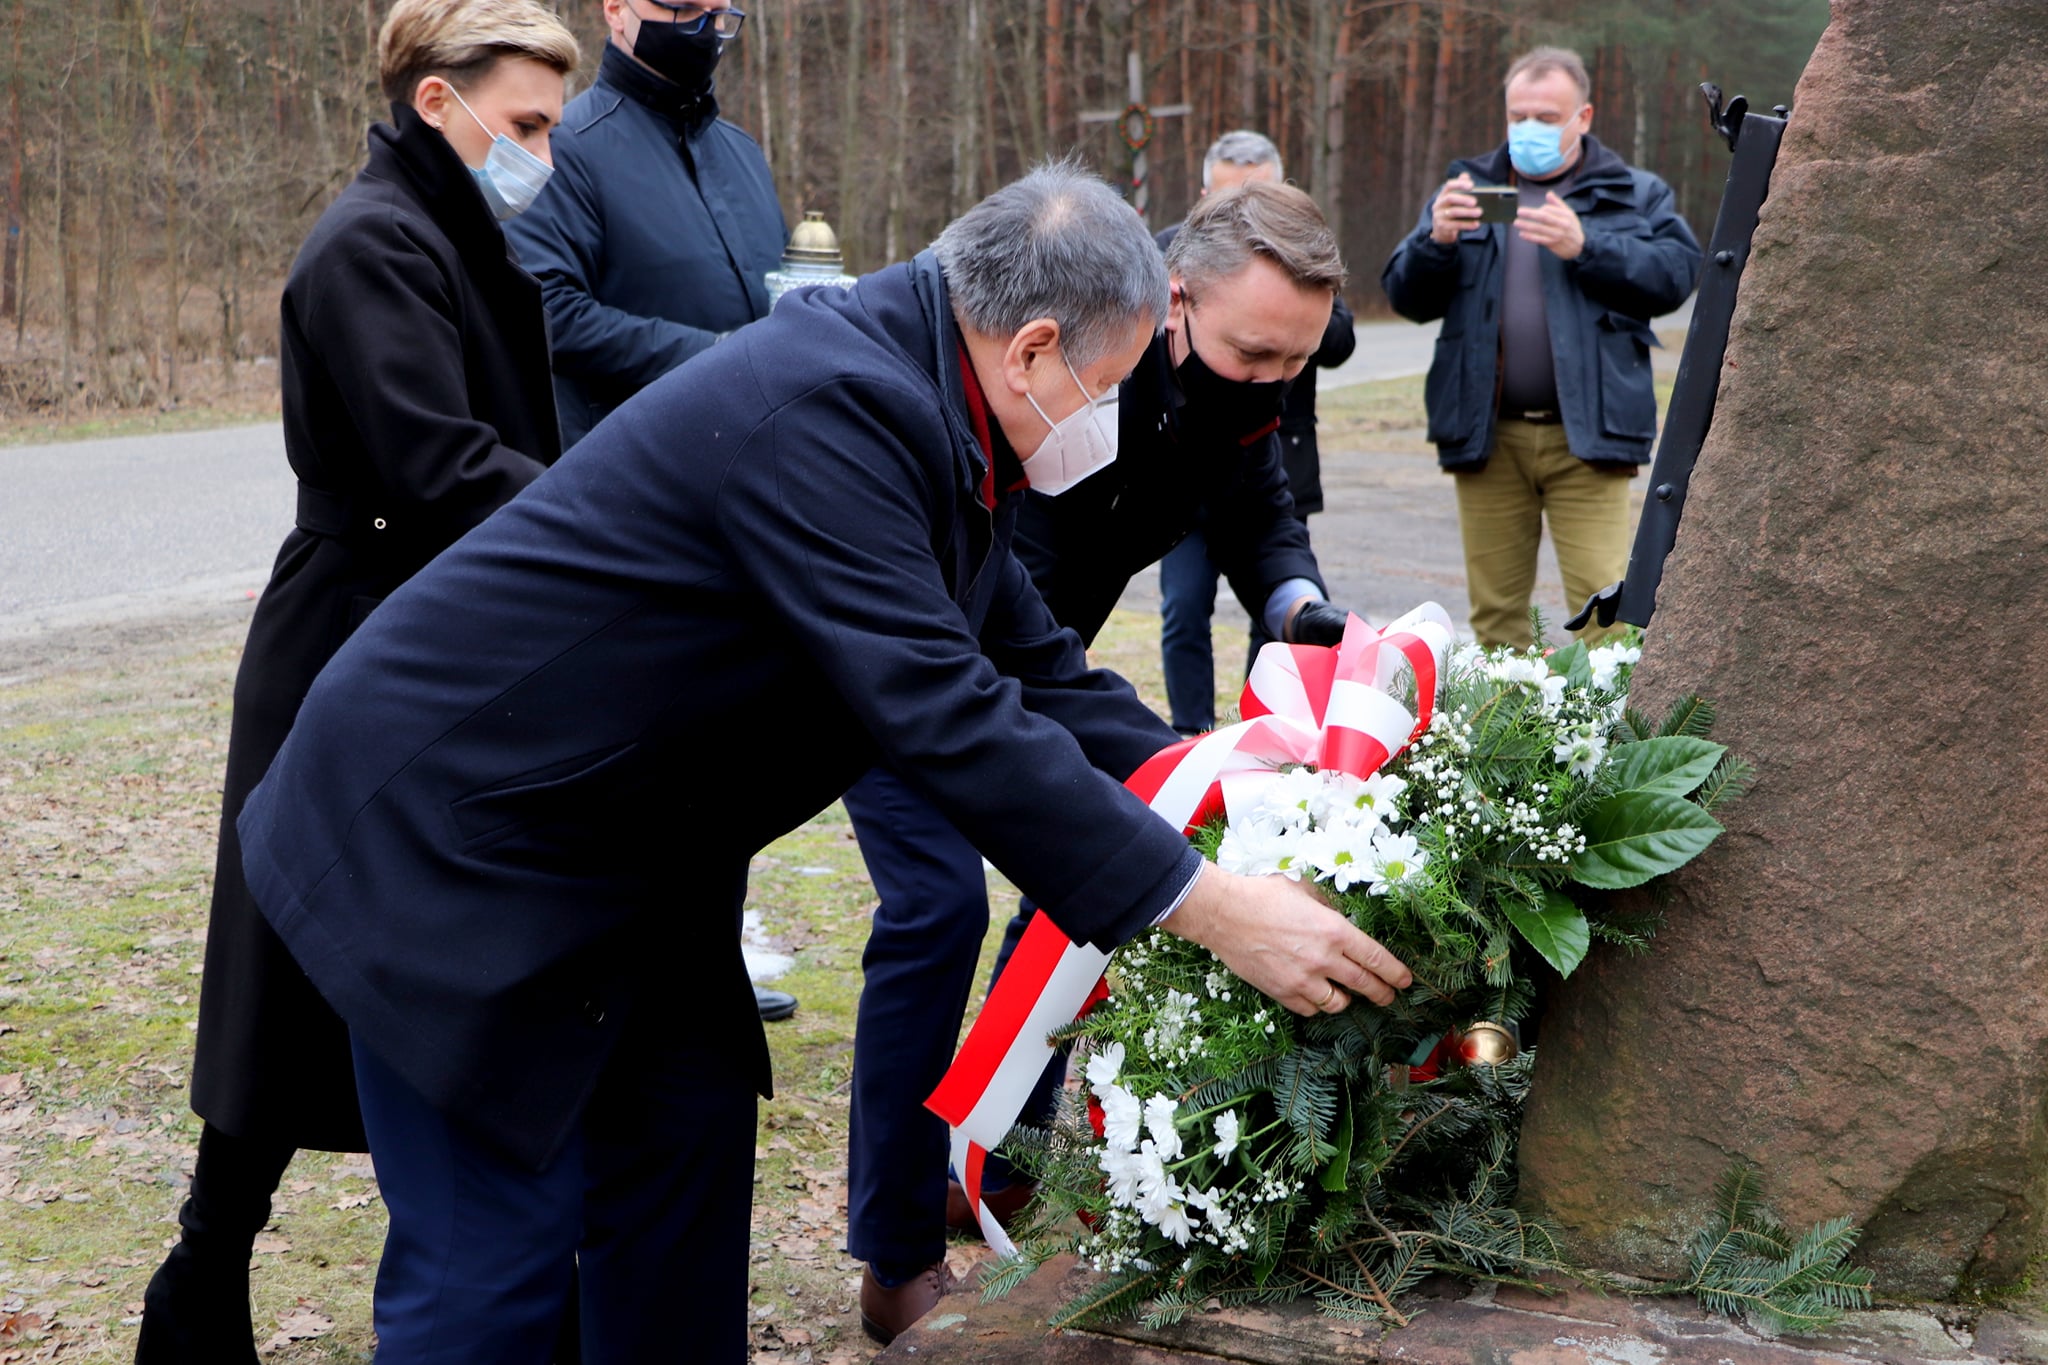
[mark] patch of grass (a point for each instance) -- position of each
(1389, 414)
(1351, 417)
(109, 802)
(23, 431)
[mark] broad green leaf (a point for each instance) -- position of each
(1673, 765)
(1558, 930)
(1334, 1173)
(1573, 663)
(1634, 836)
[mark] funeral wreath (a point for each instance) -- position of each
(1226, 1149)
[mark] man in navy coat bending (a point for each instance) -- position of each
(508, 836)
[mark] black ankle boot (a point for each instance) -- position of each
(196, 1308)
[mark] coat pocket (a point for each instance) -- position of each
(1443, 393)
(554, 793)
(1628, 398)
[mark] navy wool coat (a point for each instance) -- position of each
(516, 813)
(652, 238)
(1639, 261)
(414, 360)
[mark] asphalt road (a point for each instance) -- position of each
(134, 526)
(95, 531)
(114, 536)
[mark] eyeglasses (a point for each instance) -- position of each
(692, 18)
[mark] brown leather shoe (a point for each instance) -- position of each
(1006, 1204)
(887, 1313)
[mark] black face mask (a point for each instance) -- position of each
(1237, 407)
(688, 59)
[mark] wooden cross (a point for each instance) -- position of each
(1134, 122)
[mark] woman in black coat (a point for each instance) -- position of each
(417, 400)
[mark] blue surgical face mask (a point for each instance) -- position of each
(1536, 147)
(511, 177)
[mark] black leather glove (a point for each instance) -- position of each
(1317, 623)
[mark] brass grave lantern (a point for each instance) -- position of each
(812, 257)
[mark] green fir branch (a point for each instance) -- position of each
(1005, 1275)
(1115, 1297)
(1745, 1264)
(1729, 782)
(1689, 715)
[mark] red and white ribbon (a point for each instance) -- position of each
(1302, 704)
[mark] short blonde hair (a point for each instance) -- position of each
(461, 40)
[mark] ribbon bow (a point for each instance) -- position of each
(1329, 707)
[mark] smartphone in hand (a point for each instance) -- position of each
(1497, 203)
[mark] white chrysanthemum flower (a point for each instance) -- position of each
(1122, 1170)
(1341, 853)
(1379, 796)
(1173, 1221)
(1335, 792)
(1159, 1115)
(1104, 1066)
(1519, 668)
(1581, 750)
(1607, 661)
(1256, 848)
(1396, 858)
(1226, 1134)
(1155, 1188)
(1552, 686)
(1292, 797)
(1122, 1118)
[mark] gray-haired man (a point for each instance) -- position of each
(1253, 275)
(508, 837)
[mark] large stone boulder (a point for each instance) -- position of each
(1851, 989)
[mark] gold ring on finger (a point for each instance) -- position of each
(1328, 996)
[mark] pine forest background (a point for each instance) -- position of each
(160, 160)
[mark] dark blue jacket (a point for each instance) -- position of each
(1640, 260)
(650, 240)
(516, 812)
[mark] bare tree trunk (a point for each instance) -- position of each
(1247, 62)
(1667, 115)
(760, 43)
(852, 206)
(1440, 98)
(10, 260)
(899, 128)
(967, 90)
(21, 314)
(1411, 106)
(1200, 116)
(1059, 119)
(1322, 25)
(793, 101)
(67, 257)
(1330, 187)
(1278, 104)
(1034, 125)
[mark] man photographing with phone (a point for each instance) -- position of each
(1540, 398)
